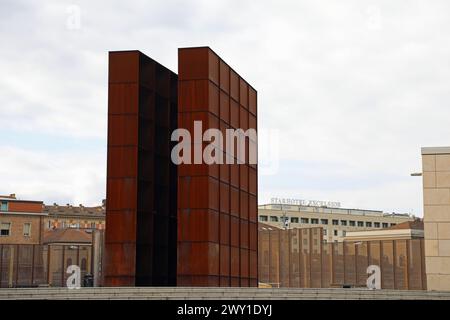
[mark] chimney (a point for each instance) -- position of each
(12, 195)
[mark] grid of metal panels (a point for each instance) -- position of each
(299, 258)
(217, 204)
(39, 265)
(140, 240)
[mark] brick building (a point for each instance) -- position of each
(21, 221)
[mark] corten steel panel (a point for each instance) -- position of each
(330, 264)
(387, 265)
(284, 259)
(401, 272)
(140, 239)
(211, 92)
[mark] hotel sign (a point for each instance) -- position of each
(302, 202)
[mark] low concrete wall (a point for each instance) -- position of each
(186, 293)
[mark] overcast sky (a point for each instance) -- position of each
(352, 89)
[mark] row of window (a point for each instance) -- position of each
(335, 232)
(335, 222)
(5, 229)
(63, 225)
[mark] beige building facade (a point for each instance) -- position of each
(75, 217)
(336, 222)
(436, 200)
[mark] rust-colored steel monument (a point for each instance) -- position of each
(186, 225)
(140, 239)
(217, 204)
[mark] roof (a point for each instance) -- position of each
(266, 227)
(69, 235)
(13, 198)
(330, 210)
(435, 150)
(414, 225)
(404, 230)
(78, 211)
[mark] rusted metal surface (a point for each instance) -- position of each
(299, 258)
(140, 240)
(217, 204)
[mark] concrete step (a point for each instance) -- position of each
(216, 293)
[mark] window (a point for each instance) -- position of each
(324, 232)
(393, 224)
(261, 218)
(368, 224)
(352, 223)
(335, 222)
(324, 221)
(376, 224)
(273, 219)
(335, 232)
(4, 206)
(93, 223)
(315, 221)
(344, 233)
(343, 222)
(49, 224)
(304, 220)
(27, 229)
(385, 225)
(5, 228)
(360, 224)
(294, 220)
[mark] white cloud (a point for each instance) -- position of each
(68, 177)
(360, 85)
